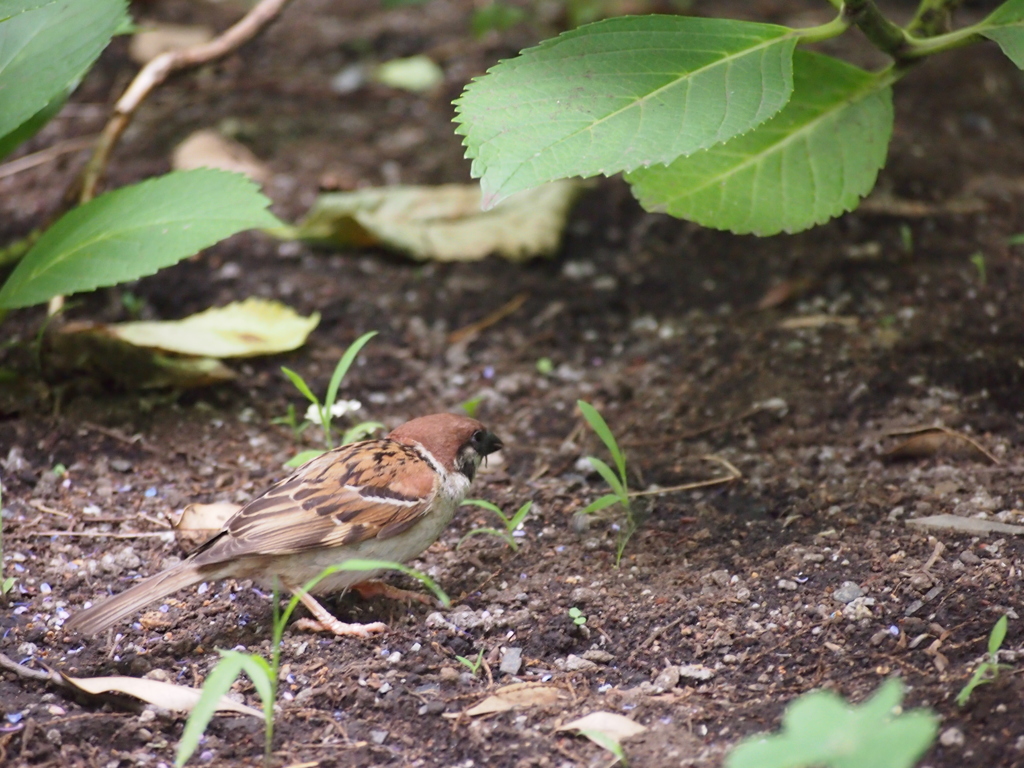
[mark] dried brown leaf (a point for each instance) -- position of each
(178, 698)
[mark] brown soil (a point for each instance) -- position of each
(656, 322)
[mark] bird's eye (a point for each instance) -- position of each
(477, 438)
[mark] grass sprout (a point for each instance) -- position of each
(6, 583)
(510, 523)
(988, 670)
(473, 665)
(323, 413)
(264, 673)
(616, 478)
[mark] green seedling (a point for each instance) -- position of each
(263, 673)
(511, 523)
(821, 729)
(291, 420)
(472, 406)
(978, 260)
(59, 470)
(608, 742)
(907, 238)
(616, 478)
(6, 583)
(577, 616)
(324, 412)
(544, 366)
(1016, 239)
(473, 665)
(989, 668)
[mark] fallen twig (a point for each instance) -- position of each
(155, 73)
(734, 474)
(46, 155)
(498, 315)
(21, 670)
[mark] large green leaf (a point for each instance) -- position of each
(33, 125)
(821, 729)
(812, 161)
(1006, 27)
(44, 46)
(134, 231)
(619, 94)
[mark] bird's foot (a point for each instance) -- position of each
(340, 628)
(368, 589)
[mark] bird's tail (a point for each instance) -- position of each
(97, 618)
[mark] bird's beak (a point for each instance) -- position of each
(490, 443)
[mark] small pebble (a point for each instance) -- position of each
(449, 675)
(667, 679)
(512, 661)
(598, 656)
(574, 663)
(952, 737)
(787, 584)
(969, 558)
(848, 592)
(696, 672)
(378, 737)
(432, 708)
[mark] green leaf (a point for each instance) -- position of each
(519, 516)
(262, 676)
(600, 426)
(812, 161)
(609, 476)
(45, 46)
(360, 431)
(134, 231)
(301, 385)
(620, 94)
(218, 682)
(997, 636)
(342, 368)
(1005, 26)
(603, 502)
(30, 127)
(820, 728)
(484, 504)
(302, 457)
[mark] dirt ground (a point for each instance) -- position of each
(793, 358)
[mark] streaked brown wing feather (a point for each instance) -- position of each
(378, 488)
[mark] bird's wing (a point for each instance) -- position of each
(373, 489)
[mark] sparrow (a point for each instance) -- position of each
(385, 499)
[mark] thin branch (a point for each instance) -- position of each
(155, 73)
(27, 672)
(886, 36)
(734, 474)
(45, 155)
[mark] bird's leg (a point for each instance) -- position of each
(373, 588)
(323, 621)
